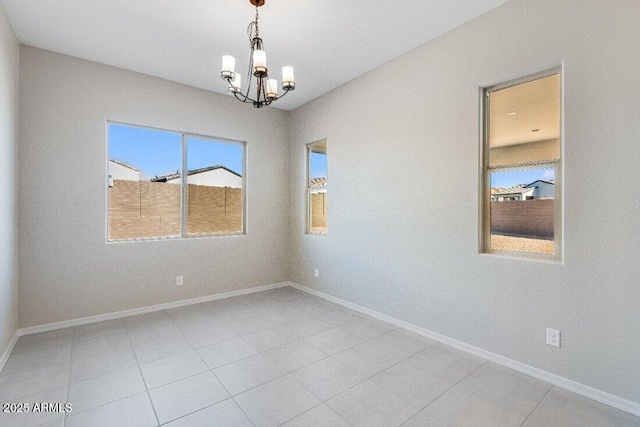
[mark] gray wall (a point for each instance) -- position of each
(410, 130)
(67, 270)
(9, 68)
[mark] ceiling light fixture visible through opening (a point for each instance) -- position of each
(266, 89)
(512, 113)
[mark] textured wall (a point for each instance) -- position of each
(9, 68)
(418, 145)
(68, 269)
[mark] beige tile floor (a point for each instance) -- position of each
(280, 357)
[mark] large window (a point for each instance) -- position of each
(149, 195)
(521, 166)
(317, 185)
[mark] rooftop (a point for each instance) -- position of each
(172, 176)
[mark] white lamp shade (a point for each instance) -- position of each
(228, 64)
(272, 88)
(287, 74)
(259, 59)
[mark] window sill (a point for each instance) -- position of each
(169, 239)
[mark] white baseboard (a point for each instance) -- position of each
(7, 352)
(142, 310)
(567, 384)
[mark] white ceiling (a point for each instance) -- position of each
(328, 42)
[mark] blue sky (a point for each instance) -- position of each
(510, 179)
(317, 165)
(160, 153)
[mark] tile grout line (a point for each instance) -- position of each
(194, 349)
(328, 356)
(311, 409)
(108, 403)
(66, 394)
(193, 375)
(359, 383)
(351, 347)
(147, 390)
(242, 409)
(199, 410)
(384, 370)
(536, 407)
(153, 408)
(93, 377)
(261, 352)
(501, 404)
(232, 397)
(448, 390)
(65, 385)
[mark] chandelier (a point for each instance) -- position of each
(265, 89)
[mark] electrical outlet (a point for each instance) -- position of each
(179, 280)
(553, 337)
(316, 272)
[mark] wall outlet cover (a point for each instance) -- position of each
(553, 337)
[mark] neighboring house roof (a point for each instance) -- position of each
(126, 165)
(517, 189)
(318, 182)
(539, 180)
(499, 191)
(172, 176)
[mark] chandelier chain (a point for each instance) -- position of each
(257, 16)
(253, 30)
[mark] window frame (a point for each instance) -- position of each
(485, 170)
(184, 135)
(309, 213)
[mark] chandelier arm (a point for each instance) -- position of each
(250, 30)
(286, 91)
(248, 89)
(238, 96)
(260, 90)
(250, 70)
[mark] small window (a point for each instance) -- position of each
(317, 185)
(146, 184)
(521, 166)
